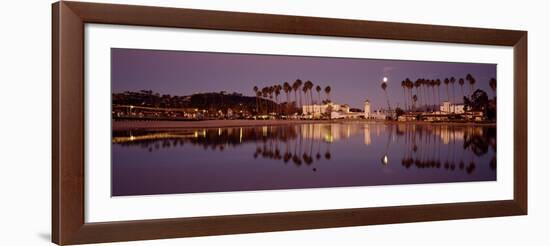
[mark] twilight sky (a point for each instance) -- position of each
(352, 80)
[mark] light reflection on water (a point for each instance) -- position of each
(300, 156)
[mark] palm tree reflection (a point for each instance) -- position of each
(424, 146)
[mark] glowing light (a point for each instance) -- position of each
(240, 135)
(385, 160)
(385, 79)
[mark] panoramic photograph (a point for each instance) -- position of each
(195, 122)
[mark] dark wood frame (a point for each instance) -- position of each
(68, 224)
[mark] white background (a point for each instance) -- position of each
(25, 123)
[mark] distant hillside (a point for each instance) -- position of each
(211, 100)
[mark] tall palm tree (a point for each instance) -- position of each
(471, 81)
(433, 84)
(265, 95)
(256, 93)
(493, 84)
(446, 82)
(295, 86)
(438, 84)
(327, 91)
(414, 98)
(417, 85)
(300, 84)
(426, 93)
(318, 89)
(287, 88)
(403, 85)
(461, 83)
(384, 85)
(305, 89)
(309, 86)
(410, 86)
(270, 91)
(453, 80)
(277, 90)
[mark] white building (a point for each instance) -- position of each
(449, 108)
(317, 110)
(377, 115)
(367, 109)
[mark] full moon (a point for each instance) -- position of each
(385, 79)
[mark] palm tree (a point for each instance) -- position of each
(453, 80)
(471, 81)
(327, 91)
(265, 95)
(433, 84)
(446, 82)
(493, 84)
(318, 89)
(384, 86)
(403, 85)
(295, 86)
(304, 89)
(415, 98)
(416, 86)
(438, 84)
(426, 93)
(256, 93)
(270, 90)
(277, 93)
(309, 86)
(300, 83)
(287, 88)
(410, 86)
(461, 83)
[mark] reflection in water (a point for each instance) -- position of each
(335, 148)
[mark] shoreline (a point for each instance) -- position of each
(175, 125)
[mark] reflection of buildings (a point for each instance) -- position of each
(448, 135)
(329, 132)
(366, 132)
(420, 145)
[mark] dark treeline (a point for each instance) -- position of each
(207, 101)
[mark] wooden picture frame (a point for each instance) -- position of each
(68, 223)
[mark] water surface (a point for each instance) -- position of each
(300, 156)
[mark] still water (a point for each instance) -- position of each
(299, 156)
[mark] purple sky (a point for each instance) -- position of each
(352, 80)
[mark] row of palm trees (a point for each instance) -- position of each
(427, 91)
(265, 96)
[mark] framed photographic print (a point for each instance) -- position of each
(177, 122)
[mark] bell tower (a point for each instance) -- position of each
(367, 109)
